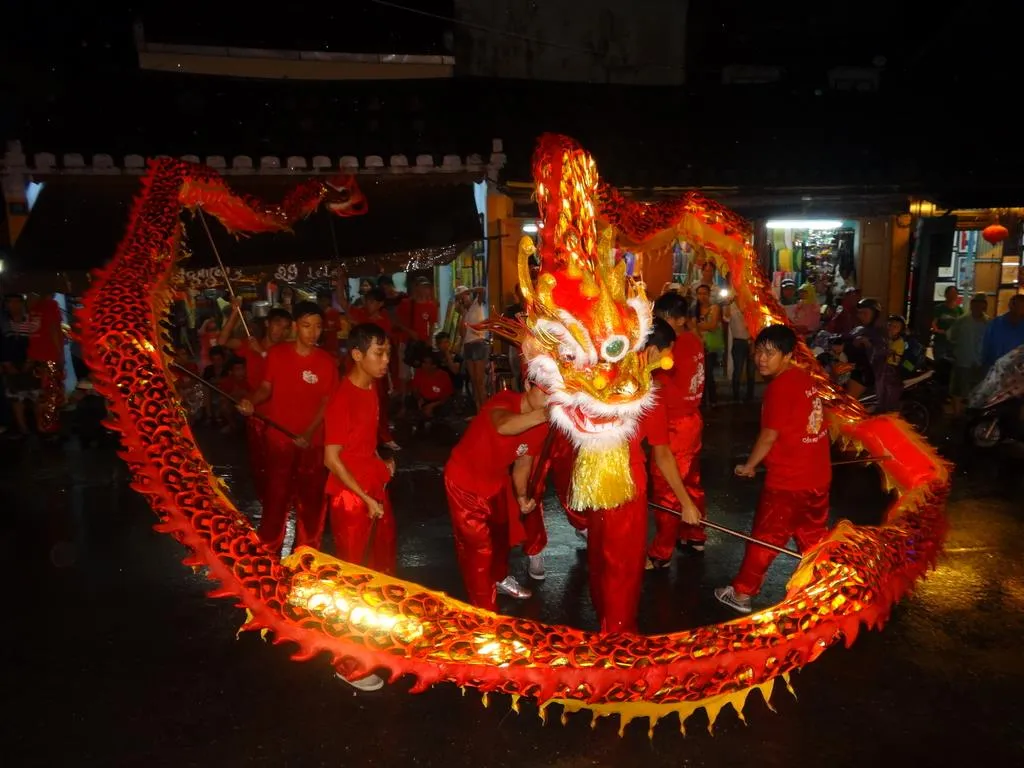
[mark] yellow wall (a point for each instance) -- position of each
(875, 258)
(502, 248)
(899, 265)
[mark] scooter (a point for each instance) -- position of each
(996, 406)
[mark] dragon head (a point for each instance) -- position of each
(586, 328)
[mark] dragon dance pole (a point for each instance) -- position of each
(223, 271)
(731, 532)
(230, 399)
(848, 462)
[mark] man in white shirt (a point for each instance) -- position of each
(742, 355)
(475, 347)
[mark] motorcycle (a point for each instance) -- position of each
(996, 406)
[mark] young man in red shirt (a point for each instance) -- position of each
(681, 388)
(794, 446)
(356, 485)
(298, 382)
(253, 351)
(332, 323)
(616, 538)
(372, 311)
(432, 387)
(507, 432)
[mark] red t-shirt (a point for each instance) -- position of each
(683, 384)
(359, 315)
(299, 385)
(481, 460)
(255, 365)
(45, 320)
(351, 422)
(432, 385)
(799, 460)
(237, 388)
(396, 308)
(329, 335)
(420, 316)
(653, 428)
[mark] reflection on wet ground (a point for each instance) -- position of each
(117, 644)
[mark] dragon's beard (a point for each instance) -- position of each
(601, 475)
(601, 479)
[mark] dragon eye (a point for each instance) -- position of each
(614, 348)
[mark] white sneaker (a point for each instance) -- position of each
(366, 684)
(536, 568)
(581, 535)
(509, 586)
(729, 596)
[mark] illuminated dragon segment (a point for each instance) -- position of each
(366, 621)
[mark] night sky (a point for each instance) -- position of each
(70, 78)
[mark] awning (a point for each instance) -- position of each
(77, 223)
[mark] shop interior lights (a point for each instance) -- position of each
(804, 224)
(530, 228)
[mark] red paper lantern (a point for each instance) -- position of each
(995, 233)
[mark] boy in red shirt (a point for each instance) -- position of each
(253, 351)
(432, 387)
(508, 432)
(332, 323)
(794, 446)
(356, 486)
(616, 537)
(298, 382)
(372, 311)
(681, 389)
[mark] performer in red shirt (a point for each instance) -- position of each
(420, 312)
(298, 382)
(616, 537)
(329, 341)
(372, 312)
(46, 353)
(431, 386)
(253, 351)
(356, 486)
(794, 446)
(507, 432)
(681, 388)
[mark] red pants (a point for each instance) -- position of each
(684, 438)
(350, 526)
(255, 437)
(481, 541)
(615, 558)
(51, 398)
(293, 475)
(781, 515)
(383, 421)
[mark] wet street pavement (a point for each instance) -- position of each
(117, 658)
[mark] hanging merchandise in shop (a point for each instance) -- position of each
(816, 252)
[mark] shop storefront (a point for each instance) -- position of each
(819, 252)
(976, 264)
(973, 250)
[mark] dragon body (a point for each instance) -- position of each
(365, 621)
